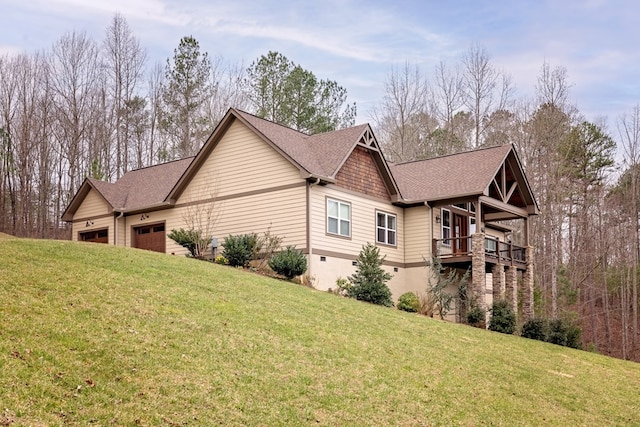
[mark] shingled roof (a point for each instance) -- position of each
(446, 177)
(150, 186)
(135, 190)
(320, 154)
(316, 156)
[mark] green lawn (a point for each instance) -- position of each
(97, 335)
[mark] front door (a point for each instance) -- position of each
(460, 229)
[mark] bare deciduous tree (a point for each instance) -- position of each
(400, 119)
(124, 64)
(486, 89)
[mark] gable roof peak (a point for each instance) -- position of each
(505, 147)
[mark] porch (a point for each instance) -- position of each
(510, 266)
(457, 252)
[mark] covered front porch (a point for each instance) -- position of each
(477, 239)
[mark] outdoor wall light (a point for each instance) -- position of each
(438, 219)
(89, 223)
(144, 216)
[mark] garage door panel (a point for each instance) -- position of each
(151, 237)
(95, 236)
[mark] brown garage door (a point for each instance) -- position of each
(95, 236)
(150, 237)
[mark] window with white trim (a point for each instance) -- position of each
(446, 227)
(386, 228)
(338, 218)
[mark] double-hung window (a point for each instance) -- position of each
(338, 218)
(446, 227)
(386, 228)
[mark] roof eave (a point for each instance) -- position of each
(315, 177)
(148, 208)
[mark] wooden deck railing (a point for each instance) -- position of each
(501, 252)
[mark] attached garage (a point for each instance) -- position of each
(95, 236)
(151, 237)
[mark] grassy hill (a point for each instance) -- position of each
(91, 334)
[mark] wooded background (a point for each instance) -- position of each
(86, 108)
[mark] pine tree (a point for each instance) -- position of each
(187, 88)
(369, 280)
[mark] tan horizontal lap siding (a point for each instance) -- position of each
(363, 224)
(92, 205)
(283, 211)
(417, 237)
(240, 162)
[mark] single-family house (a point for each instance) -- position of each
(328, 194)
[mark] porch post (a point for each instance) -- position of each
(499, 285)
(478, 277)
(527, 287)
(511, 291)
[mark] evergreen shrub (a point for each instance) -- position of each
(369, 280)
(476, 317)
(289, 262)
(503, 319)
(535, 329)
(408, 301)
(238, 249)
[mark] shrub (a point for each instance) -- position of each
(238, 249)
(342, 287)
(428, 305)
(503, 319)
(574, 335)
(265, 247)
(476, 317)
(535, 329)
(289, 262)
(191, 239)
(557, 334)
(564, 332)
(369, 280)
(408, 302)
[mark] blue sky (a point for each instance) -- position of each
(357, 42)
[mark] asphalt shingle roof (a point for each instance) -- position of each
(449, 176)
(320, 154)
(142, 188)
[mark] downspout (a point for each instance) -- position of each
(115, 226)
(309, 240)
(430, 242)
